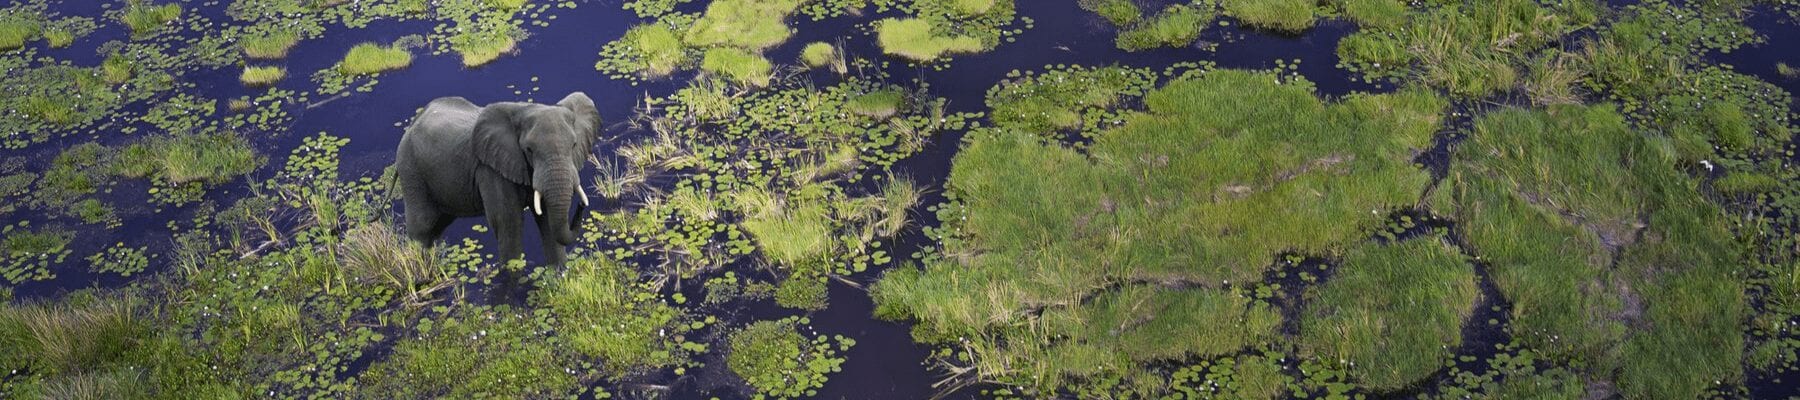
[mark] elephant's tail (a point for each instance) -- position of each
(387, 217)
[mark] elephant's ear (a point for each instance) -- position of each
(497, 142)
(584, 106)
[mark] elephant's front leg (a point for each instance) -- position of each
(555, 251)
(502, 206)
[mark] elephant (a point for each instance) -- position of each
(457, 160)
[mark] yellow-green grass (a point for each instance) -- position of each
(878, 104)
(914, 39)
(818, 54)
(1176, 26)
(116, 69)
(85, 333)
(480, 48)
(144, 17)
(744, 67)
(971, 8)
(268, 46)
(792, 235)
(14, 32)
(58, 38)
(370, 58)
(1186, 192)
(1281, 15)
(1470, 50)
(506, 5)
(262, 75)
(748, 24)
(1609, 255)
(659, 49)
(1391, 313)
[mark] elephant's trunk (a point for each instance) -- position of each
(555, 190)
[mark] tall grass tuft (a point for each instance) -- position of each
(116, 69)
(59, 38)
(370, 58)
(818, 54)
(879, 104)
(145, 18)
(71, 336)
(914, 39)
(1281, 15)
(1176, 26)
(740, 66)
(1121, 13)
(189, 157)
(480, 48)
(377, 253)
(262, 75)
(272, 45)
(506, 5)
(14, 32)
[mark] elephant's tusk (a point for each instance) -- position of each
(584, 199)
(537, 202)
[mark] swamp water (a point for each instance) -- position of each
(558, 57)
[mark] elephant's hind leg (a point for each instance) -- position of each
(424, 223)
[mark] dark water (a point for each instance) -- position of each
(886, 363)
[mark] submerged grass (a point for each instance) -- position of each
(370, 58)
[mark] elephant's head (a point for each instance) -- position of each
(542, 147)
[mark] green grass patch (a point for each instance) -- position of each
(15, 31)
(818, 54)
(488, 353)
(605, 313)
(144, 18)
(747, 24)
(1281, 15)
(1187, 191)
(506, 5)
(1177, 26)
(1121, 13)
(1392, 313)
(914, 39)
(116, 69)
(878, 104)
(1375, 13)
(57, 38)
(1609, 255)
(657, 49)
(268, 46)
(1471, 50)
(194, 157)
(741, 66)
(780, 363)
(370, 58)
(480, 48)
(71, 337)
(262, 75)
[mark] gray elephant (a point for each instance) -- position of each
(461, 160)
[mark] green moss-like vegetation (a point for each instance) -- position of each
(1176, 26)
(818, 54)
(1281, 15)
(914, 39)
(262, 75)
(747, 24)
(1392, 313)
(145, 18)
(1570, 198)
(1021, 198)
(740, 66)
(781, 363)
(272, 45)
(1470, 50)
(370, 58)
